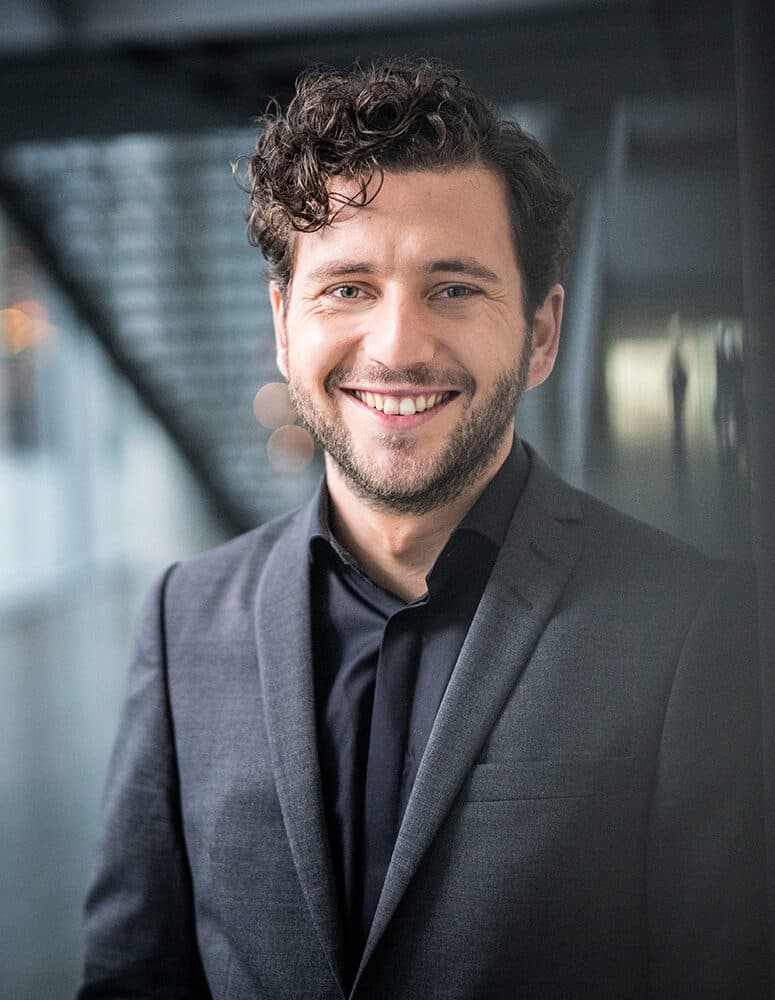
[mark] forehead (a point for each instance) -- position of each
(415, 216)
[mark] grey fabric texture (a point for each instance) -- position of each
(586, 820)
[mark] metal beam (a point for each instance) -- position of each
(23, 216)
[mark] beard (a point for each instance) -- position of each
(414, 484)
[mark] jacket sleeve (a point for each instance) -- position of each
(139, 928)
(706, 905)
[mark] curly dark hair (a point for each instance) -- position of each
(399, 115)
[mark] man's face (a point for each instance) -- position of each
(404, 341)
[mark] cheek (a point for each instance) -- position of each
(487, 358)
(318, 346)
(492, 336)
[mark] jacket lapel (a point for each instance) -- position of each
(539, 552)
(284, 645)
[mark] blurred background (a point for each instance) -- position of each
(135, 329)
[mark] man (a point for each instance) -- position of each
(454, 729)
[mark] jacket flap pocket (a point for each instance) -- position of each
(542, 779)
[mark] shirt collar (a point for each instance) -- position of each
(320, 535)
(489, 517)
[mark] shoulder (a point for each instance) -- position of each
(615, 536)
(641, 564)
(224, 580)
(649, 610)
(654, 568)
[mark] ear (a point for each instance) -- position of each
(280, 331)
(546, 336)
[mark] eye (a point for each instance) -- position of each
(346, 292)
(456, 292)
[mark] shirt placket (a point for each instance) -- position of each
(385, 771)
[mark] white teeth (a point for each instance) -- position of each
(406, 406)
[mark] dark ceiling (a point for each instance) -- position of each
(582, 56)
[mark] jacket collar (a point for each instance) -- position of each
(283, 639)
(536, 559)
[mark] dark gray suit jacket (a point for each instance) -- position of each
(586, 820)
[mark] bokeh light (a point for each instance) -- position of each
(290, 448)
(24, 325)
(272, 406)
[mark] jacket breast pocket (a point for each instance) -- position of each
(502, 780)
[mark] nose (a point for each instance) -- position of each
(400, 332)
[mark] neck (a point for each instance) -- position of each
(397, 550)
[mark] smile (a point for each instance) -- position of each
(404, 406)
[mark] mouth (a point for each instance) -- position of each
(402, 405)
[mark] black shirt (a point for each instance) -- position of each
(365, 637)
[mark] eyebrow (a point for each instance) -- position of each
(455, 265)
(462, 265)
(340, 270)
